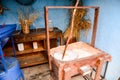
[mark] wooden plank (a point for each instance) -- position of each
(71, 7)
(36, 36)
(28, 48)
(95, 27)
(32, 59)
(47, 34)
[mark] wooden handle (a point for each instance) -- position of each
(71, 28)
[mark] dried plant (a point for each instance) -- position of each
(26, 19)
(80, 23)
(33, 17)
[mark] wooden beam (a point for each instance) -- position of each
(95, 26)
(71, 7)
(47, 35)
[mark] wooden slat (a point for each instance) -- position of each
(29, 51)
(95, 27)
(47, 34)
(32, 59)
(37, 35)
(71, 7)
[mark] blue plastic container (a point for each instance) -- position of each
(6, 32)
(9, 66)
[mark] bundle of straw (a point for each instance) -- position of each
(33, 17)
(80, 23)
(26, 20)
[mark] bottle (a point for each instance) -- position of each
(50, 25)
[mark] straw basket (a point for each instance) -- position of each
(25, 27)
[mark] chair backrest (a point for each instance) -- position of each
(5, 33)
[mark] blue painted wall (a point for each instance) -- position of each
(108, 32)
(58, 17)
(108, 26)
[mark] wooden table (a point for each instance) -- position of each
(30, 56)
(64, 70)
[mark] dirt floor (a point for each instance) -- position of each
(41, 72)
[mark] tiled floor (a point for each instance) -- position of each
(41, 72)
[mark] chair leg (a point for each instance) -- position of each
(99, 68)
(67, 73)
(22, 76)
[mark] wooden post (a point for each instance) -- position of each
(99, 68)
(47, 35)
(95, 27)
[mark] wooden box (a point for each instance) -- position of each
(64, 70)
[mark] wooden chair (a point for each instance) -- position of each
(9, 66)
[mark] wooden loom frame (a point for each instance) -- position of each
(93, 32)
(71, 7)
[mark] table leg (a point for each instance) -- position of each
(2, 58)
(67, 72)
(99, 68)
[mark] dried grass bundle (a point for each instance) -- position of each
(80, 23)
(26, 20)
(33, 17)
